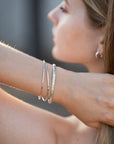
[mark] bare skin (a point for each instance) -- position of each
(22, 123)
(75, 87)
(82, 94)
(77, 41)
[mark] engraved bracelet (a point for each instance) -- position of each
(52, 84)
(42, 82)
(48, 88)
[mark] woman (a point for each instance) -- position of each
(81, 31)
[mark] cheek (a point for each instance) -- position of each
(74, 42)
(69, 40)
(66, 37)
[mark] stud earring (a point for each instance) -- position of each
(98, 55)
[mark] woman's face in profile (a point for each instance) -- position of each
(75, 40)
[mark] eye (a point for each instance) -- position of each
(63, 9)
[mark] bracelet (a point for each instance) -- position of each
(45, 69)
(52, 84)
(42, 82)
(48, 88)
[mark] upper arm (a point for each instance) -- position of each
(22, 123)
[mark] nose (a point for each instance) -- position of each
(52, 16)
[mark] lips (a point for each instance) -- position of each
(53, 33)
(53, 37)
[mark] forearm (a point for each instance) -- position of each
(88, 96)
(24, 72)
(19, 70)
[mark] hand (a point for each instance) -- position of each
(90, 97)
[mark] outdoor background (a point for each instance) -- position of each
(24, 25)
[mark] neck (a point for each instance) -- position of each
(95, 67)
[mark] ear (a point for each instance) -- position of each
(100, 44)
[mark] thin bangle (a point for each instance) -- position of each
(52, 84)
(48, 87)
(42, 82)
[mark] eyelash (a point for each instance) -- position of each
(63, 9)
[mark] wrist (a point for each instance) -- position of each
(63, 86)
(60, 86)
(69, 92)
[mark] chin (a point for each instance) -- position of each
(65, 58)
(58, 56)
(55, 55)
(62, 59)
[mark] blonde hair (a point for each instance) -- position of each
(101, 14)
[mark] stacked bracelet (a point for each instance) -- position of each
(48, 87)
(53, 77)
(42, 82)
(52, 84)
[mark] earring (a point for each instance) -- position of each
(98, 55)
